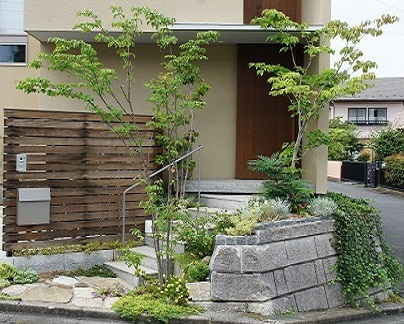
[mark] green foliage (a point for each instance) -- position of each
(25, 276)
(158, 303)
(322, 206)
(198, 271)
(388, 141)
(199, 233)
(343, 141)
(7, 271)
(95, 271)
(244, 222)
(132, 259)
(4, 296)
(364, 156)
(270, 210)
(283, 180)
(176, 94)
(175, 291)
(70, 248)
(4, 283)
(115, 291)
(309, 93)
(395, 170)
(361, 264)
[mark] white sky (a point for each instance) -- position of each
(386, 50)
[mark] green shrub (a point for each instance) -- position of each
(198, 271)
(322, 206)
(395, 170)
(361, 264)
(115, 291)
(388, 141)
(94, 271)
(283, 180)
(4, 283)
(7, 271)
(244, 222)
(364, 156)
(151, 301)
(199, 234)
(25, 276)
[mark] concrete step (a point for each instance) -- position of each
(224, 186)
(202, 211)
(226, 202)
(128, 273)
(149, 260)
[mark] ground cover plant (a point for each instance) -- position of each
(364, 258)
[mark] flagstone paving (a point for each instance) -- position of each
(78, 291)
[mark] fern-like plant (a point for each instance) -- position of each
(283, 180)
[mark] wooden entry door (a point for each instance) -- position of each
(263, 122)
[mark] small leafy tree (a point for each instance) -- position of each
(309, 93)
(176, 94)
(343, 140)
(388, 141)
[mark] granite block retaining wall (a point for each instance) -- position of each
(286, 265)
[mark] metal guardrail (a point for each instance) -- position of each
(198, 149)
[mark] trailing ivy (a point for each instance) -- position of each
(364, 260)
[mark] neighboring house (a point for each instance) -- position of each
(240, 120)
(373, 108)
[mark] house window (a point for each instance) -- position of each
(13, 53)
(357, 115)
(13, 40)
(377, 115)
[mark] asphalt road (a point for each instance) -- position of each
(388, 319)
(391, 205)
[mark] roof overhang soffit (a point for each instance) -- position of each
(229, 33)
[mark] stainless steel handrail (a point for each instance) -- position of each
(198, 149)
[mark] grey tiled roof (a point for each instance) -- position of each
(384, 89)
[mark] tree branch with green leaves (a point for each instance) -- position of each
(307, 92)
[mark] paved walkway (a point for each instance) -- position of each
(69, 291)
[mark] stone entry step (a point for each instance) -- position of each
(148, 265)
(126, 273)
(225, 202)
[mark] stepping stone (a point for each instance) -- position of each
(48, 294)
(109, 301)
(82, 292)
(65, 281)
(98, 282)
(15, 290)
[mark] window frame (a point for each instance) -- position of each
(377, 121)
(357, 121)
(19, 40)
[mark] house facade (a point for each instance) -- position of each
(240, 120)
(374, 108)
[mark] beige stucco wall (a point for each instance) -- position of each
(334, 170)
(315, 161)
(217, 123)
(9, 74)
(47, 14)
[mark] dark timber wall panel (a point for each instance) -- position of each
(253, 8)
(86, 167)
(263, 122)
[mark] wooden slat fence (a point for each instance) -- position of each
(86, 167)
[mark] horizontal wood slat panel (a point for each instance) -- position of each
(87, 169)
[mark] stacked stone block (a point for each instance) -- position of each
(286, 265)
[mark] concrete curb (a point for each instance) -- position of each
(52, 309)
(320, 317)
